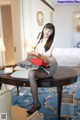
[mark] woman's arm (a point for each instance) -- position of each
(39, 55)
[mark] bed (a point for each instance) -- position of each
(69, 57)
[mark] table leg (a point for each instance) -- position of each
(0, 85)
(59, 91)
(17, 90)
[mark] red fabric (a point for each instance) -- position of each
(39, 62)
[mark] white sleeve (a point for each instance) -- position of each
(49, 52)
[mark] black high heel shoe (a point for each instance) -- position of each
(33, 109)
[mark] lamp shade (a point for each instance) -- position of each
(2, 47)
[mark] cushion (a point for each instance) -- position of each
(39, 62)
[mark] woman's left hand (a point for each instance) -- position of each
(34, 53)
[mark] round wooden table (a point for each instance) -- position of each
(62, 77)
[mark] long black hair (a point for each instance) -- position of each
(51, 38)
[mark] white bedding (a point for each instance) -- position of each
(67, 56)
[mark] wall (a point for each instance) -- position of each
(26, 20)
(64, 24)
(0, 36)
(62, 19)
(39, 6)
(76, 32)
(31, 27)
(0, 23)
(30, 9)
(2, 2)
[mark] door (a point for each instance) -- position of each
(8, 34)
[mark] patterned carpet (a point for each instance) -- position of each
(48, 99)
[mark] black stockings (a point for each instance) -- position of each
(33, 74)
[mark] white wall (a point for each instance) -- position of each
(0, 23)
(62, 19)
(30, 9)
(31, 27)
(76, 33)
(37, 5)
(26, 16)
(64, 24)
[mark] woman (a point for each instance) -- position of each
(44, 50)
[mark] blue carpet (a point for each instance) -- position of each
(48, 99)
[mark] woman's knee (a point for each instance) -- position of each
(31, 73)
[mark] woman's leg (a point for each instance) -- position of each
(33, 74)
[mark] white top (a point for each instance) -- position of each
(40, 48)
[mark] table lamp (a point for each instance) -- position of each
(2, 49)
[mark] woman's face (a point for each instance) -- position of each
(47, 32)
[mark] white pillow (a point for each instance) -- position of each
(67, 56)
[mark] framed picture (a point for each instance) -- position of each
(40, 18)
